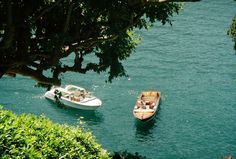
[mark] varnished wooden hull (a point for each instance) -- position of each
(146, 105)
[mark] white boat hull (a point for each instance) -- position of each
(91, 103)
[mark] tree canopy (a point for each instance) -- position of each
(36, 35)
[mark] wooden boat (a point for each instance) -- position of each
(146, 105)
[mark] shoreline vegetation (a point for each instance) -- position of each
(31, 136)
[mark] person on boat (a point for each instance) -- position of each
(143, 104)
(77, 99)
(83, 93)
(152, 104)
(138, 104)
(142, 97)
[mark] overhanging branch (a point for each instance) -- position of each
(133, 3)
(160, 1)
(34, 74)
(10, 29)
(68, 18)
(88, 43)
(45, 11)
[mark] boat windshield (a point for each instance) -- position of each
(71, 88)
(65, 94)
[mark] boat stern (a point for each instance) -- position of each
(49, 95)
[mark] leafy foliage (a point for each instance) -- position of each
(127, 155)
(232, 31)
(28, 136)
(35, 35)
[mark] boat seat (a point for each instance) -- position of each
(144, 110)
(149, 98)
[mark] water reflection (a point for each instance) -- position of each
(144, 129)
(72, 115)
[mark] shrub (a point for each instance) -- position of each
(29, 136)
(127, 155)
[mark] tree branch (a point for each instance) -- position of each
(10, 29)
(45, 11)
(160, 1)
(34, 74)
(88, 43)
(133, 3)
(68, 17)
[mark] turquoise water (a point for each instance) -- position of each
(192, 63)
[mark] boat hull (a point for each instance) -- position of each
(92, 104)
(145, 117)
(148, 110)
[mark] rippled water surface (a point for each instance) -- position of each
(192, 63)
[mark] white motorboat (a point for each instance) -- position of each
(74, 96)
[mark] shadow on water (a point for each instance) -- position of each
(144, 129)
(90, 117)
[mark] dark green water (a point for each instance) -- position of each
(194, 66)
